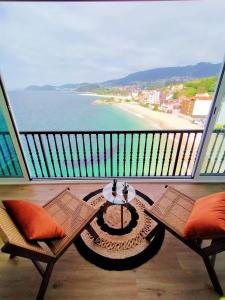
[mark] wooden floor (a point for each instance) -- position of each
(174, 273)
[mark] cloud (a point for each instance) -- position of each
(55, 43)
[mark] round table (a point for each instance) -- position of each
(119, 198)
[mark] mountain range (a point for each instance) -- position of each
(158, 76)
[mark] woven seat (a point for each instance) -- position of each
(172, 210)
(70, 212)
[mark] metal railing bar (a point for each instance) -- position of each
(10, 154)
(38, 155)
(111, 154)
(118, 154)
(218, 151)
(64, 154)
(222, 158)
(190, 154)
(158, 153)
(31, 155)
(71, 154)
(2, 169)
(124, 154)
(57, 154)
(78, 154)
(131, 153)
(104, 142)
(145, 147)
(177, 153)
(113, 131)
(184, 153)
(221, 163)
(92, 164)
(151, 154)
(164, 154)
(84, 152)
(137, 157)
(211, 153)
(98, 154)
(51, 155)
(43, 154)
(171, 154)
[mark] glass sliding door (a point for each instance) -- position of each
(212, 159)
(11, 158)
(214, 162)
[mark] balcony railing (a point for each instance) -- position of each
(214, 162)
(169, 153)
(98, 154)
(9, 165)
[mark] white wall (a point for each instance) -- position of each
(201, 107)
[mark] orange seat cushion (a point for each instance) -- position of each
(207, 219)
(33, 220)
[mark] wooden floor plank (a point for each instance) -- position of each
(174, 273)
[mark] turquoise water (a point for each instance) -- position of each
(54, 110)
(62, 111)
(9, 164)
(90, 155)
(70, 156)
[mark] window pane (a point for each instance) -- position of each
(9, 164)
(214, 161)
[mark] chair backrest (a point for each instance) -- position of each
(173, 209)
(72, 214)
(15, 243)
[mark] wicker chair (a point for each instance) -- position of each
(73, 214)
(172, 210)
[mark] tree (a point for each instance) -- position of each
(190, 91)
(156, 107)
(175, 95)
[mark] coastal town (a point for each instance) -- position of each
(184, 106)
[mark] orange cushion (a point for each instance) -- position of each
(207, 219)
(33, 220)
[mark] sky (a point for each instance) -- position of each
(58, 43)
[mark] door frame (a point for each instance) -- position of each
(14, 133)
(209, 127)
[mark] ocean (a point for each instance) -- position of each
(57, 111)
(59, 155)
(90, 155)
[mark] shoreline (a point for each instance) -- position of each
(159, 120)
(104, 96)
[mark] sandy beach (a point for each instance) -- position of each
(104, 96)
(163, 121)
(159, 120)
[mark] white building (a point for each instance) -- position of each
(201, 105)
(154, 97)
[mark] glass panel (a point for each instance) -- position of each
(214, 161)
(9, 164)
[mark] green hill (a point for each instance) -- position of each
(197, 86)
(204, 85)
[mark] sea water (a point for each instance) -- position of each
(60, 110)
(68, 111)
(91, 155)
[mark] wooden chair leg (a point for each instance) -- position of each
(153, 232)
(45, 281)
(212, 275)
(91, 230)
(213, 260)
(106, 205)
